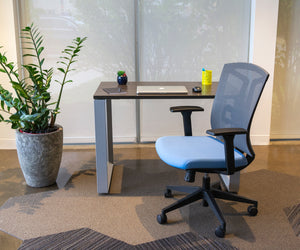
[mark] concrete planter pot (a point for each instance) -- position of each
(40, 156)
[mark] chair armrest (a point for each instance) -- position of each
(186, 112)
(228, 134)
(185, 108)
(226, 131)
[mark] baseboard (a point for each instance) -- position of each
(79, 140)
(91, 140)
(11, 143)
(121, 139)
(146, 139)
(285, 137)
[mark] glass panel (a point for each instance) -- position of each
(109, 48)
(285, 122)
(177, 40)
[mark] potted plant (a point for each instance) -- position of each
(122, 77)
(31, 110)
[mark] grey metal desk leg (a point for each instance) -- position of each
(232, 182)
(104, 144)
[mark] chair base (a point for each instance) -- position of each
(208, 194)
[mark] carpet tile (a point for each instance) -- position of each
(86, 238)
(184, 241)
(293, 214)
(83, 238)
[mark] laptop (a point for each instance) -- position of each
(161, 90)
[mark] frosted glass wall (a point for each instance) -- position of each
(285, 122)
(175, 40)
(179, 38)
(109, 26)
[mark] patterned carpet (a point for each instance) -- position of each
(293, 214)
(86, 238)
(76, 216)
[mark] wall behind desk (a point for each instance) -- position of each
(175, 40)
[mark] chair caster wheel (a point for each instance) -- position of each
(220, 232)
(161, 218)
(252, 210)
(168, 193)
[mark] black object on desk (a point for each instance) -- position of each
(197, 89)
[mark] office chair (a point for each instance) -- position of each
(227, 148)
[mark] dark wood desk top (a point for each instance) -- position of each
(130, 91)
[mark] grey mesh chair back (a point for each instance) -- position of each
(238, 93)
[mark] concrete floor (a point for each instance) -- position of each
(283, 157)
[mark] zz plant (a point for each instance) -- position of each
(31, 109)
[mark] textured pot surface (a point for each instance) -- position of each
(40, 156)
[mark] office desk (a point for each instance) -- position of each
(103, 119)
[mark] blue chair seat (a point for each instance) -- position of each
(195, 152)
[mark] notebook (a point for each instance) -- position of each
(161, 90)
(115, 91)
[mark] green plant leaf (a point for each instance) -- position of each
(121, 72)
(39, 40)
(29, 55)
(46, 96)
(40, 50)
(26, 29)
(20, 89)
(30, 118)
(52, 103)
(62, 62)
(15, 126)
(10, 66)
(14, 118)
(62, 70)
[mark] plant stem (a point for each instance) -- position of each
(6, 111)
(78, 41)
(53, 118)
(40, 65)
